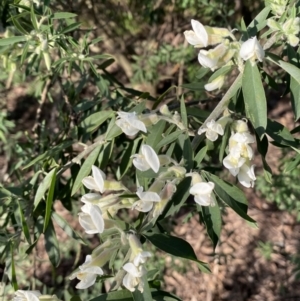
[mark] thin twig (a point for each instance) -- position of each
(42, 102)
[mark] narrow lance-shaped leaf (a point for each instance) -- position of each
(231, 195)
(43, 188)
(25, 227)
(211, 216)
(122, 295)
(175, 246)
(51, 245)
(49, 200)
(254, 98)
(62, 223)
(85, 168)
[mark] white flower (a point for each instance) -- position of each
(212, 58)
(91, 219)
(217, 83)
(246, 175)
(148, 159)
(198, 36)
(141, 258)
(21, 295)
(130, 124)
(212, 130)
(202, 192)
(146, 201)
(238, 144)
(251, 49)
(87, 273)
(133, 277)
(233, 162)
(96, 182)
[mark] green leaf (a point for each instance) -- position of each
(25, 227)
(113, 130)
(200, 155)
(262, 148)
(159, 295)
(13, 277)
(292, 70)
(211, 217)
(222, 71)
(178, 199)
(62, 223)
(202, 72)
(169, 139)
(230, 195)
(280, 133)
(292, 165)
(63, 15)
(33, 18)
(183, 112)
(255, 98)
(295, 97)
(258, 23)
(122, 295)
(130, 150)
(51, 245)
(43, 188)
(85, 169)
(174, 246)
(155, 134)
(12, 40)
(49, 200)
(187, 152)
(70, 27)
(198, 113)
(95, 120)
(196, 86)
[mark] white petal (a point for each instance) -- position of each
(140, 163)
(130, 282)
(96, 216)
(90, 197)
(202, 188)
(192, 38)
(143, 206)
(99, 177)
(150, 196)
(247, 49)
(89, 183)
(200, 32)
(246, 176)
(211, 135)
(138, 125)
(207, 62)
(130, 268)
(151, 157)
(87, 281)
(203, 200)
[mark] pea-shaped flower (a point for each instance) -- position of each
(133, 278)
(252, 50)
(91, 219)
(198, 36)
(202, 192)
(147, 159)
(212, 129)
(95, 182)
(147, 198)
(130, 124)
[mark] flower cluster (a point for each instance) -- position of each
(227, 51)
(135, 268)
(240, 154)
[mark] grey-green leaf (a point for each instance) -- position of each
(254, 98)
